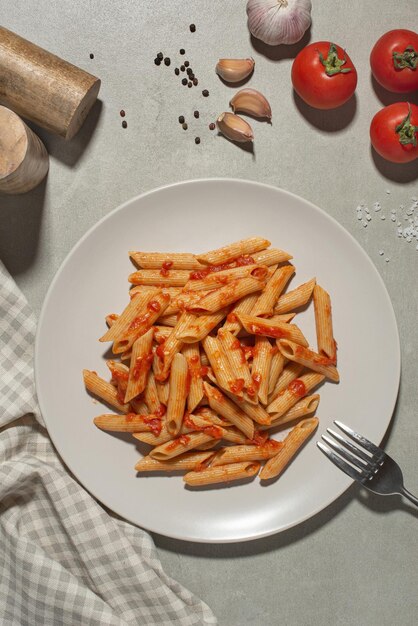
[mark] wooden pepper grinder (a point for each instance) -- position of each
(44, 88)
(24, 160)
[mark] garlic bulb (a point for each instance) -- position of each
(279, 21)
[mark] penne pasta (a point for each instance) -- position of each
(200, 281)
(296, 390)
(304, 407)
(111, 319)
(278, 362)
(190, 424)
(130, 423)
(294, 440)
(151, 396)
(140, 408)
(238, 366)
(255, 411)
(261, 368)
(222, 297)
(276, 330)
(192, 354)
(244, 247)
(166, 351)
(136, 306)
(103, 390)
(165, 260)
(222, 474)
(225, 407)
(296, 298)
(140, 364)
(323, 320)
(184, 462)
(271, 256)
(239, 454)
(168, 278)
(309, 359)
(168, 320)
(163, 390)
(198, 326)
(271, 292)
(219, 363)
(245, 305)
(289, 373)
(179, 380)
(184, 443)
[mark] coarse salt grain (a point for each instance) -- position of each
(364, 223)
(368, 218)
(377, 206)
(381, 252)
(382, 217)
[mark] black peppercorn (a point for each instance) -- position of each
(182, 51)
(91, 55)
(184, 81)
(205, 93)
(122, 113)
(212, 126)
(189, 71)
(157, 61)
(196, 114)
(190, 84)
(197, 139)
(177, 71)
(167, 61)
(186, 64)
(124, 124)
(184, 126)
(192, 28)
(160, 56)
(181, 119)
(195, 81)
(182, 68)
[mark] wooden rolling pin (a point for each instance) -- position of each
(44, 88)
(24, 160)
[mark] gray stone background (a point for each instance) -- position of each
(354, 563)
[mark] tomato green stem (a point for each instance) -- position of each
(333, 64)
(407, 131)
(406, 59)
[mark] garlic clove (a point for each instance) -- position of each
(234, 127)
(234, 70)
(252, 102)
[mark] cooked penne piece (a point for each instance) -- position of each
(304, 407)
(198, 326)
(166, 351)
(130, 423)
(140, 364)
(103, 390)
(186, 462)
(169, 278)
(271, 256)
(309, 359)
(239, 454)
(276, 368)
(219, 363)
(141, 323)
(289, 373)
(271, 292)
(241, 376)
(268, 328)
(178, 393)
(120, 376)
(255, 411)
(323, 320)
(165, 260)
(294, 440)
(173, 292)
(151, 396)
(192, 354)
(204, 359)
(214, 280)
(168, 320)
(244, 247)
(244, 305)
(225, 407)
(163, 390)
(261, 368)
(191, 423)
(161, 333)
(286, 317)
(184, 443)
(136, 306)
(222, 297)
(140, 408)
(297, 389)
(179, 301)
(206, 413)
(296, 298)
(111, 319)
(222, 474)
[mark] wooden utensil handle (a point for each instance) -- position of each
(44, 88)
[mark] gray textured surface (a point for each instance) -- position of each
(355, 563)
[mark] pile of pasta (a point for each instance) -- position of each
(209, 362)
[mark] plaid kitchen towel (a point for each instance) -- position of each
(64, 559)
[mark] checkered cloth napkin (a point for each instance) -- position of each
(64, 559)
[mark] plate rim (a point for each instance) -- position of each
(347, 482)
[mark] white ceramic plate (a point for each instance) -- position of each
(197, 216)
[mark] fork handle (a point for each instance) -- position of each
(409, 495)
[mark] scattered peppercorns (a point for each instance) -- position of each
(160, 56)
(157, 61)
(190, 84)
(181, 119)
(192, 28)
(212, 126)
(196, 114)
(91, 55)
(186, 64)
(167, 61)
(189, 71)
(177, 71)
(122, 113)
(182, 51)
(197, 139)
(184, 81)
(124, 124)
(205, 93)
(182, 68)
(184, 126)
(195, 82)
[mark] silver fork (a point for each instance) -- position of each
(365, 462)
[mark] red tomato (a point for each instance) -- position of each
(394, 61)
(394, 132)
(323, 75)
